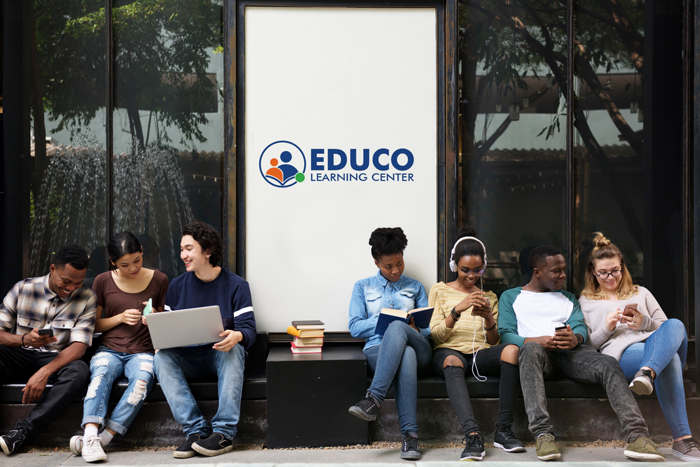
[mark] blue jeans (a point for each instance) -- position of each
(664, 352)
(401, 356)
(175, 366)
(105, 367)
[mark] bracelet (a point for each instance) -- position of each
(492, 327)
(23, 339)
(454, 315)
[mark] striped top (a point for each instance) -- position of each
(462, 337)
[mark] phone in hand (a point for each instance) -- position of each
(46, 332)
(628, 310)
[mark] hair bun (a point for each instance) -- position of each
(600, 240)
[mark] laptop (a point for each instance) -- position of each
(180, 328)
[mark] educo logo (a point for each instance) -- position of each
(282, 164)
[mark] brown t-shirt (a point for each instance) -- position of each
(113, 300)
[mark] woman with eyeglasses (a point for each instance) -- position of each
(626, 322)
(465, 336)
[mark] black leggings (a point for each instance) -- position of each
(488, 362)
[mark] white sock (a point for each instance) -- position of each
(106, 437)
(90, 431)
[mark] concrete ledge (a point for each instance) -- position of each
(575, 420)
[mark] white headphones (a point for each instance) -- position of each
(453, 265)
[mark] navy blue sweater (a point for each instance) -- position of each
(228, 290)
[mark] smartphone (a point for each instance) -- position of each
(149, 307)
(46, 332)
(628, 309)
(560, 328)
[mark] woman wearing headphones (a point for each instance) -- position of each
(627, 323)
(404, 350)
(465, 335)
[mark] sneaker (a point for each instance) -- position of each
(546, 447)
(642, 384)
(505, 439)
(366, 409)
(12, 441)
(687, 449)
(409, 447)
(474, 448)
(76, 445)
(185, 451)
(642, 449)
(92, 449)
(214, 445)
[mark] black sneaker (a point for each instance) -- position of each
(409, 447)
(214, 445)
(366, 409)
(185, 451)
(12, 441)
(474, 448)
(505, 438)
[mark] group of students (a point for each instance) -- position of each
(114, 307)
(538, 327)
(532, 333)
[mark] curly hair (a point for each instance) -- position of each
(468, 247)
(539, 254)
(208, 238)
(74, 255)
(605, 249)
(387, 241)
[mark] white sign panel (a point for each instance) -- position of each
(340, 138)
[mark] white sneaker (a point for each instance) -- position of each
(76, 445)
(92, 449)
(642, 383)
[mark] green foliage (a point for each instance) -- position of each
(161, 54)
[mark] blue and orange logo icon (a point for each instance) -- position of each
(280, 163)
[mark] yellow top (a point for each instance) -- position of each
(460, 338)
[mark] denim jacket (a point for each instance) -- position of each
(372, 294)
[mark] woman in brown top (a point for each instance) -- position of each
(126, 348)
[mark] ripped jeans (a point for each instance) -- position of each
(107, 366)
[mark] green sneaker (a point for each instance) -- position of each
(642, 449)
(546, 448)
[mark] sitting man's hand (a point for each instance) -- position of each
(230, 340)
(33, 339)
(547, 342)
(565, 338)
(35, 386)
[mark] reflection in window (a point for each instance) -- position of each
(168, 120)
(67, 69)
(512, 130)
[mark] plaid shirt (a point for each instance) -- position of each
(32, 304)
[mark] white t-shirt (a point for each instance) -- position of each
(538, 313)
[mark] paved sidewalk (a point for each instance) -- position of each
(432, 457)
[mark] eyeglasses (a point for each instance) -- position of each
(604, 275)
(468, 271)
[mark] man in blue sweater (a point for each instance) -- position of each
(547, 324)
(205, 284)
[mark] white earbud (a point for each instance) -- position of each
(453, 264)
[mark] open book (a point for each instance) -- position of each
(421, 317)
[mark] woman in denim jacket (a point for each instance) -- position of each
(404, 351)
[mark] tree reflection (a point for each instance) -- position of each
(513, 40)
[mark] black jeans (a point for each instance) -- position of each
(488, 363)
(17, 364)
(583, 365)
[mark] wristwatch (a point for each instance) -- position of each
(579, 337)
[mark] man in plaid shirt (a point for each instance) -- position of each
(58, 304)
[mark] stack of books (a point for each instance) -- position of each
(308, 336)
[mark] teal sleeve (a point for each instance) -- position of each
(507, 322)
(576, 321)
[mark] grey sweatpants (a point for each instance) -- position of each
(583, 364)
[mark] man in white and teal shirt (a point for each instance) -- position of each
(529, 318)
